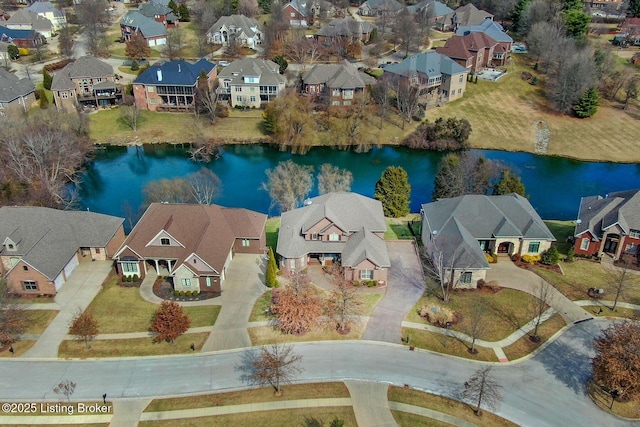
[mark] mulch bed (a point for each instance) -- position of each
(527, 266)
(164, 290)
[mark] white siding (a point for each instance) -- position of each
(71, 265)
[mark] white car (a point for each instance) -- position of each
(223, 63)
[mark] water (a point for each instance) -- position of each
(117, 176)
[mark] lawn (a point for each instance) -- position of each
(524, 345)
(398, 228)
(131, 347)
(279, 418)
(504, 312)
(629, 409)
(405, 419)
(272, 228)
(561, 231)
(121, 309)
(258, 395)
(445, 405)
(38, 320)
(447, 345)
(261, 335)
(502, 115)
(19, 348)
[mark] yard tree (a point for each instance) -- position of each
(47, 79)
(271, 277)
(84, 326)
(393, 191)
(13, 52)
(94, 21)
(551, 256)
(344, 304)
(205, 186)
(449, 180)
(248, 8)
(616, 365)
(129, 112)
(296, 306)
(275, 31)
(538, 11)
(275, 365)
(137, 47)
(169, 322)
(381, 94)
(203, 15)
(631, 89)
(544, 295)
(587, 105)
(288, 184)
(183, 13)
(621, 280)
(509, 183)
(65, 41)
(165, 190)
(65, 388)
(542, 42)
(634, 8)
(576, 22)
(406, 32)
(174, 46)
(440, 255)
(13, 319)
(289, 120)
(407, 98)
(464, 173)
(332, 179)
(482, 390)
(476, 325)
(571, 73)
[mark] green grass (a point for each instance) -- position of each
(561, 231)
(279, 418)
(398, 228)
(448, 406)
(132, 347)
(260, 312)
(405, 419)
(272, 228)
(47, 92)
(258, 395)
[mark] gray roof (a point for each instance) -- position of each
(45, 7)
(344, 76)
(348, 211)
(364, 245)
(433, 8)
(344, 27)
(27, 17)
(598, 213)
(489, 27)
(458, 223)
(149, 27)
(238, 23)
(83, 67)
(48, 238)
(266, 70)
(383, 5)
(431, 64)
(468, 15)
(151, 9)
(12, 87)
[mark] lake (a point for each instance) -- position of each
(116, 177)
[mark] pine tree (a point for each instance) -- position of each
(588, 103)
(183, 13)
(394, 191)
(47, 79)
(270, 276)
(509, 183)
(173, 6)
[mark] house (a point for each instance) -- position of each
(21, 38)
(344, 29)
(85, 81)
(245, 31)
(16, 94)
(432, 9)
(4, 52)
(439, 78)
(152, 31)
(250, 82)
(609, 224)
(604, 4)
(344, 228)
(473, 51)
(630, 30)
(171, 86)
(379, 7)
(24, 19)
(494, 30)
(193, 244)
(159, 13)
(48, 11)
(298, 13)
(457, 233)
(464, 16)
(335, 84)
(41, 247)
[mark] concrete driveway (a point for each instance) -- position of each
(405, 286)
(243, 286)
(507, 275)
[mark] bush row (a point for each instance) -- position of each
(134, 278)
(367, 283)
(186, 293)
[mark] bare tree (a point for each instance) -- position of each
(631, 91)
(476, 325)
(65, 41)
(405, 32)
(381, 94)
(248, 8)
(84, 326)
(332, 179)
(12, 318)
(203, 15)
(344, 304)
(275, 31)
(174, 46)
(544, 296)
(441, 259)
(407, 97)
(206, 98)
(94, 21)
(538, 11)
(275, 364)
(205, 186)
(65, 388)
(483, 389)
(621, 281)
(130, 114)
(542, 41)
(177, 190)
(570, 75)
(288, 184)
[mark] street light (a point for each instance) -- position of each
(446, 333)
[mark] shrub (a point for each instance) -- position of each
(570, 255)
(370, 283)
(135, 278)
(531, 259)
(42, 99)
(135, 66)
(491, 258)
(437, 315)
(516, 258)
(550, 256)
(23, 51)
(356, 283)
(47, 79)
(534, 81)
(441, 135)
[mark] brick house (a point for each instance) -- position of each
(335, 84)
(473, 51)
(502, 51)
(159, 13)
(344, 29)
(155, 33)
(21, 38)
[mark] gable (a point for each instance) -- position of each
(324, 226)
(197, 263)
(163, 238)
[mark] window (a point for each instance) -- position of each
(314, 236)
(366, 274)
(459, 91)
(151, 89)
(64, 95)
(252, 89)
(347, 94)
(293, 15)
(10, 245)
(461, 78)
(466, 277)
(252, 98)
(129, 267)
(584, 244)
(164, 241)
(534, 247)
(238, 98)
(292, 263)
(208, 280)
(347, 103)
(334, 237)
(30, 285)
(246, 243)
(634, 233)
(152, 101)
(335, 102)
(25, 268)
(335, 92)
(237, 88)
(186, 282)
(631, 248)
(97, 250)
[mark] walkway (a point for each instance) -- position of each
(370, 403)
(406, 285)
(75, 295)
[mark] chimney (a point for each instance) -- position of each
(159, 75)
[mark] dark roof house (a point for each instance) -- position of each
(346, 28)
(473, 51)
(245, 31)
(26, 20)
(336, 84)
(155, 33)
(464, 16)
(16, 94)
(21, 38)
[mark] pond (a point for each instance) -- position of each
(114, 181)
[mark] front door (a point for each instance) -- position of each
(610, 246)
(503, 248)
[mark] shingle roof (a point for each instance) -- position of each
(364, 245)
(209, 231)
(151, 9)
(175, 73)
(489, 27)
(433, 8)
(149, 27)
(7, 34)
(45, 7)
(83, 67)
(459, 222)
(344, 27)
(48, 238)
(348, 211)
(598, 213)
(12, 87)
(344, 76)
(266, 70)
(383, 5)
(469, 15)
(463, 47)
(26, 17)
(248, 26)
(429, 63)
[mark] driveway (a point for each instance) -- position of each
(83, 285)
(507, 275)
(243, 286)
(405, 286)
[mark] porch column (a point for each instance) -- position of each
(157, 267)
(620, 245)
(170, 266)
(602, 242)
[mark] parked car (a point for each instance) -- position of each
(223, 63)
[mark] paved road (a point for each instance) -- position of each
(406, 284)
(546, 390)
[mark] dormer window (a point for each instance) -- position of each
(164, 241)
(25, 268)
(10, 246)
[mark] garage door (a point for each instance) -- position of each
(71, 265)
(59, 281)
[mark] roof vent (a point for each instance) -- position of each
(159, 72)
(179, 69)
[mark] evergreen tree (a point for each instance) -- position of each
(183, 13)
(281, 62)
(394, 191)
(588, 103)
(270, 276)
(509, 183)
(47, 79)
(576, 22)
(449, 181)
(173, 6)
(634, 8)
